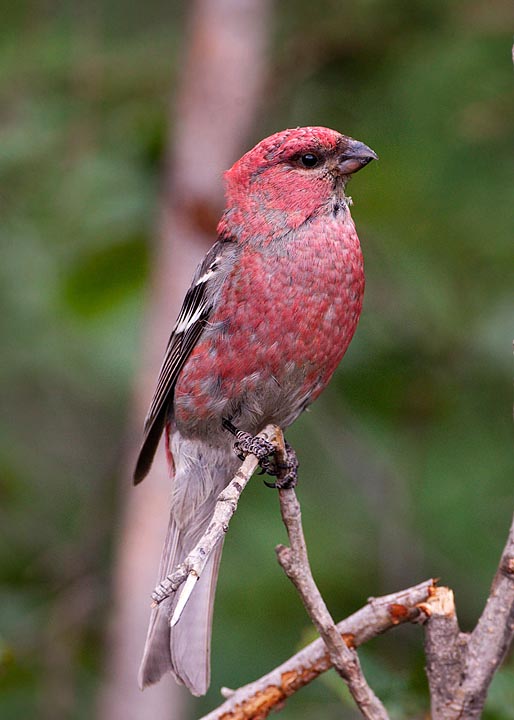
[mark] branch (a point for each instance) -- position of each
(460, 666)
(257, 699)
(488, 643)
(445, 648)
(189, 571)
(295, 563)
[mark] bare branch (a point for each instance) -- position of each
(295, 563)
(459, 666)
(257, 699)
(489, 641)
(445, 647)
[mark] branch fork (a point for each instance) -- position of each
(460, 666)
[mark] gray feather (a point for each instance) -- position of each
(201, 473)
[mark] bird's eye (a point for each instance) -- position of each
(309, 160)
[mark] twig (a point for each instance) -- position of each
(257, 699)
(188, 572)
(295, 563)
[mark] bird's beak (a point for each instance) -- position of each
(355, 157)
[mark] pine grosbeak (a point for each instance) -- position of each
(269, 315)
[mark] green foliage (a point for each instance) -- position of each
(406, 461)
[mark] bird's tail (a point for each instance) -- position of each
(184, 649)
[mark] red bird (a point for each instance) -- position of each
(269, 315)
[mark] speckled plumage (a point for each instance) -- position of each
(269, 316)
(281, 328)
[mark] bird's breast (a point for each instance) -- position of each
(286, 316)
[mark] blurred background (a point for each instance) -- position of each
(116, 121)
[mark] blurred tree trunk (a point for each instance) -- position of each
(220, 87)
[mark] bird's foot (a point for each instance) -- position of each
(286, 472)
(247, 444)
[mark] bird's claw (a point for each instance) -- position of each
(245, 444)
(286, 473)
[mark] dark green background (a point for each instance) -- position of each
(407, 461)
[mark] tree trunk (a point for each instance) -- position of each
(219, 91)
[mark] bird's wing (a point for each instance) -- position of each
(196, 309)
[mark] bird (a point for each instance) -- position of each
(269, 314)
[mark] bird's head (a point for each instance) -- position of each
(292, 174)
